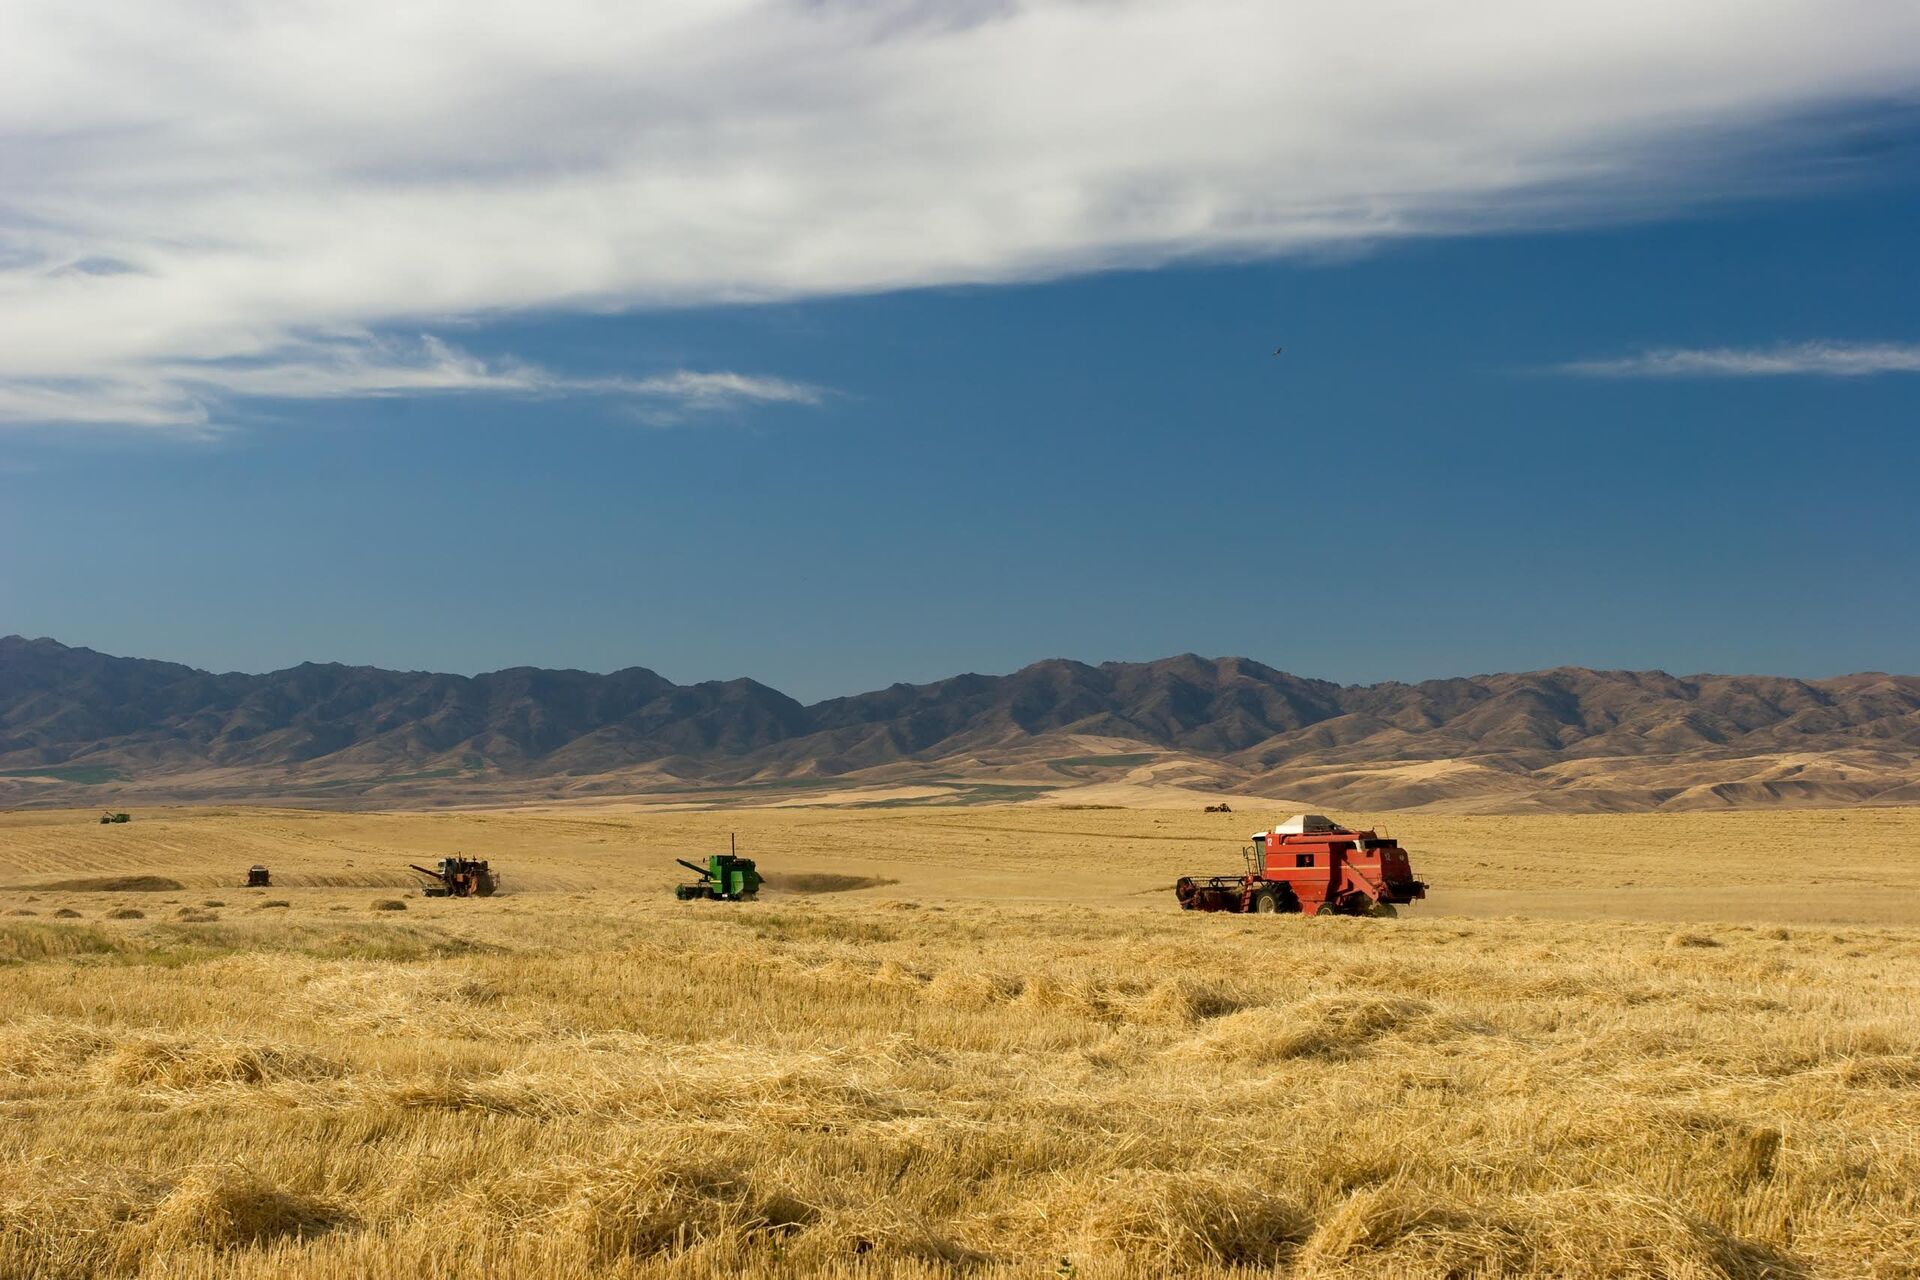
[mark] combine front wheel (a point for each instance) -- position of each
(1266, 902)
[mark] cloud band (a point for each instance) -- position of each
(1823, 359)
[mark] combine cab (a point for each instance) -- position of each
(1313, 865)
(258, 877)
(458, 878)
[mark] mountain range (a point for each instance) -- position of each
(78, 726)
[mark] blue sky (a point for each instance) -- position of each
(1654, 408)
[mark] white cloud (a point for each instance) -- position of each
(185, 182)
(185, 394)
(1832, 359)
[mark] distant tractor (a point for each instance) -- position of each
(727, 877)
(1222, 807)
(257, 877)
(1312, 865)
(107, 818)
(458, 878)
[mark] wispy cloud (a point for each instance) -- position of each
(186, 394)
(1826, 359)
(184, 186)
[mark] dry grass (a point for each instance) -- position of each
(115, 884)
(937, 1076)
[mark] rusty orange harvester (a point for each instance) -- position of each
(1310, 864)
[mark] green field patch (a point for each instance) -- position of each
(717, 788)
(87, 775)
(963, 794)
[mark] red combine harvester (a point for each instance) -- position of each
(1310, 864)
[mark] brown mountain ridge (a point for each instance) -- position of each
(78, 726)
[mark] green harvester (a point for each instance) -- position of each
(727, 877)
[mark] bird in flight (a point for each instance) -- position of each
(1278, 350)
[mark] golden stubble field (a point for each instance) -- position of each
(1669, 1046)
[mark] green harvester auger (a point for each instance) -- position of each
(727, 877)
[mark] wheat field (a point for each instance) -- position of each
(970, 1041)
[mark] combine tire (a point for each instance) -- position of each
(1266, 902)
(1382, 910)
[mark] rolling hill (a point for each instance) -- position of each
(78, 726)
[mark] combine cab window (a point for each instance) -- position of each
(1302, 859)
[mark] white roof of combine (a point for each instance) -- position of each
(1305, 823)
